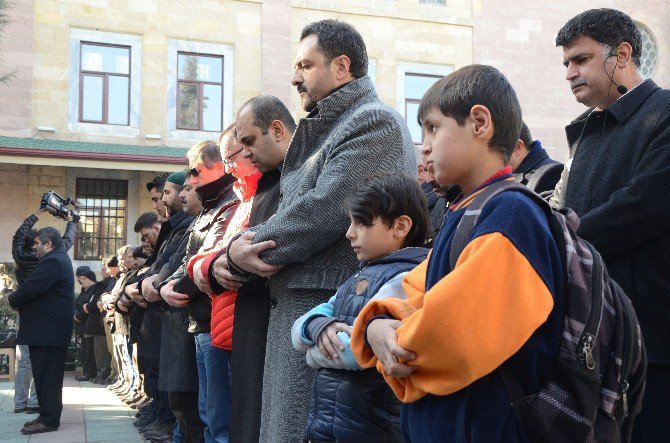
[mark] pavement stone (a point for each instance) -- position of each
(91, 414)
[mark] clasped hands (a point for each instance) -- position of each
(383, 339)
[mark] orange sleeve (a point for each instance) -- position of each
(470, 322)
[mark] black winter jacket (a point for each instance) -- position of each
(618, 176)
(219, 203)
(45, 302)
(24, 255)
(94, 325)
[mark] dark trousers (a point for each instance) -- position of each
(48, 369)
(89, 368)
(252, 312)
(652, 423)
(184, 406)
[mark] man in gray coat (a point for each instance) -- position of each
(347, 136)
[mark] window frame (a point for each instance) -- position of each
(98, 235)
(177, 46)
(105, 84)
(200, 84)
(104, 38)
(418, 69)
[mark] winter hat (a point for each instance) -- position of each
(177, 178)
(89, 275)
(80, 270)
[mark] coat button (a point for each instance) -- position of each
(273, 302)
(281, 197)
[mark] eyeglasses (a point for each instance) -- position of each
(228, 161)
(193, 172)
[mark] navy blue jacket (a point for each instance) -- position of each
(527, 171)
(46, 302)
(358, 405)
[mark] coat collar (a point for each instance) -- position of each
(536, 154)
(628, 103)
(342, 99)
(211, 193)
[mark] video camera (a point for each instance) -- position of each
(58, 206)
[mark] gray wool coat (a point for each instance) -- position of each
(350, 137)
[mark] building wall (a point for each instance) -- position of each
(519, 39)
(16, 57)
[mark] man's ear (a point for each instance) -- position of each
(624, 54)
(402, 226)
(482, 123)
(278, 130)
(341, 65)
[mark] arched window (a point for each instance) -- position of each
(649, 52)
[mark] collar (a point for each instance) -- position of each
(177, 218)
(463, 201)
(211, 192)
(245, 188)
(628, 103)
(536, 154)
(340, 99)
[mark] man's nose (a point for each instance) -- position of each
(571, 72)
(297, 78)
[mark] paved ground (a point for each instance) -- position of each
(91, 413)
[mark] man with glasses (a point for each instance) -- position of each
(180, 377)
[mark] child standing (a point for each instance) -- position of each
(501, 303)
(389, 221)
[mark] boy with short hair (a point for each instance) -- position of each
(440, 349)
(389, 221)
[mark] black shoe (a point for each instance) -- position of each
(37, 428)
(33, 411)
(20, 410)
(82, 378)
(29, 423)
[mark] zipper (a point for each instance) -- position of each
(629, 326)
(587, 340)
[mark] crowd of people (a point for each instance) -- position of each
(296, 282)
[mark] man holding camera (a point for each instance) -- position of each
(45, 304)
(26, 260)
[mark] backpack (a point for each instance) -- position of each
(543, 179)
(598, 376)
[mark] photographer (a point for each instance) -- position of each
(26, 260)
(45, 304)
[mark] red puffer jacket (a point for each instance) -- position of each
(223, 304)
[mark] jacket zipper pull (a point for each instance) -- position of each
(588, 352)
(624, 397)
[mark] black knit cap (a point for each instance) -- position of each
(89, 275)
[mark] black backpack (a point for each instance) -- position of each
(598, 377)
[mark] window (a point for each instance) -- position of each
(102, 207)
(200, 92)
(104, 84)
(649, 52)
(200, 89)
(413, 81)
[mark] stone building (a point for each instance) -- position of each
(106, 93)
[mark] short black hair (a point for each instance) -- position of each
(607, 26)
(146, 220)
(138, 252)
(158, 182)
(267, 108)
(456, 94)
(389, 197)
(525, 136)
(112, 261)
(50, 234)
(339, 38)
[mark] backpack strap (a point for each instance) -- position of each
(544, 176)
(469, 220)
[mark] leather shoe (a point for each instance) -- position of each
(20, 410)
(141, 402)
(32, 410)
(37, 428)
(29, 423)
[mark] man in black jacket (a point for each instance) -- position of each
(620, 160)
(45, 304)
(87, 279)
(26, 260)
